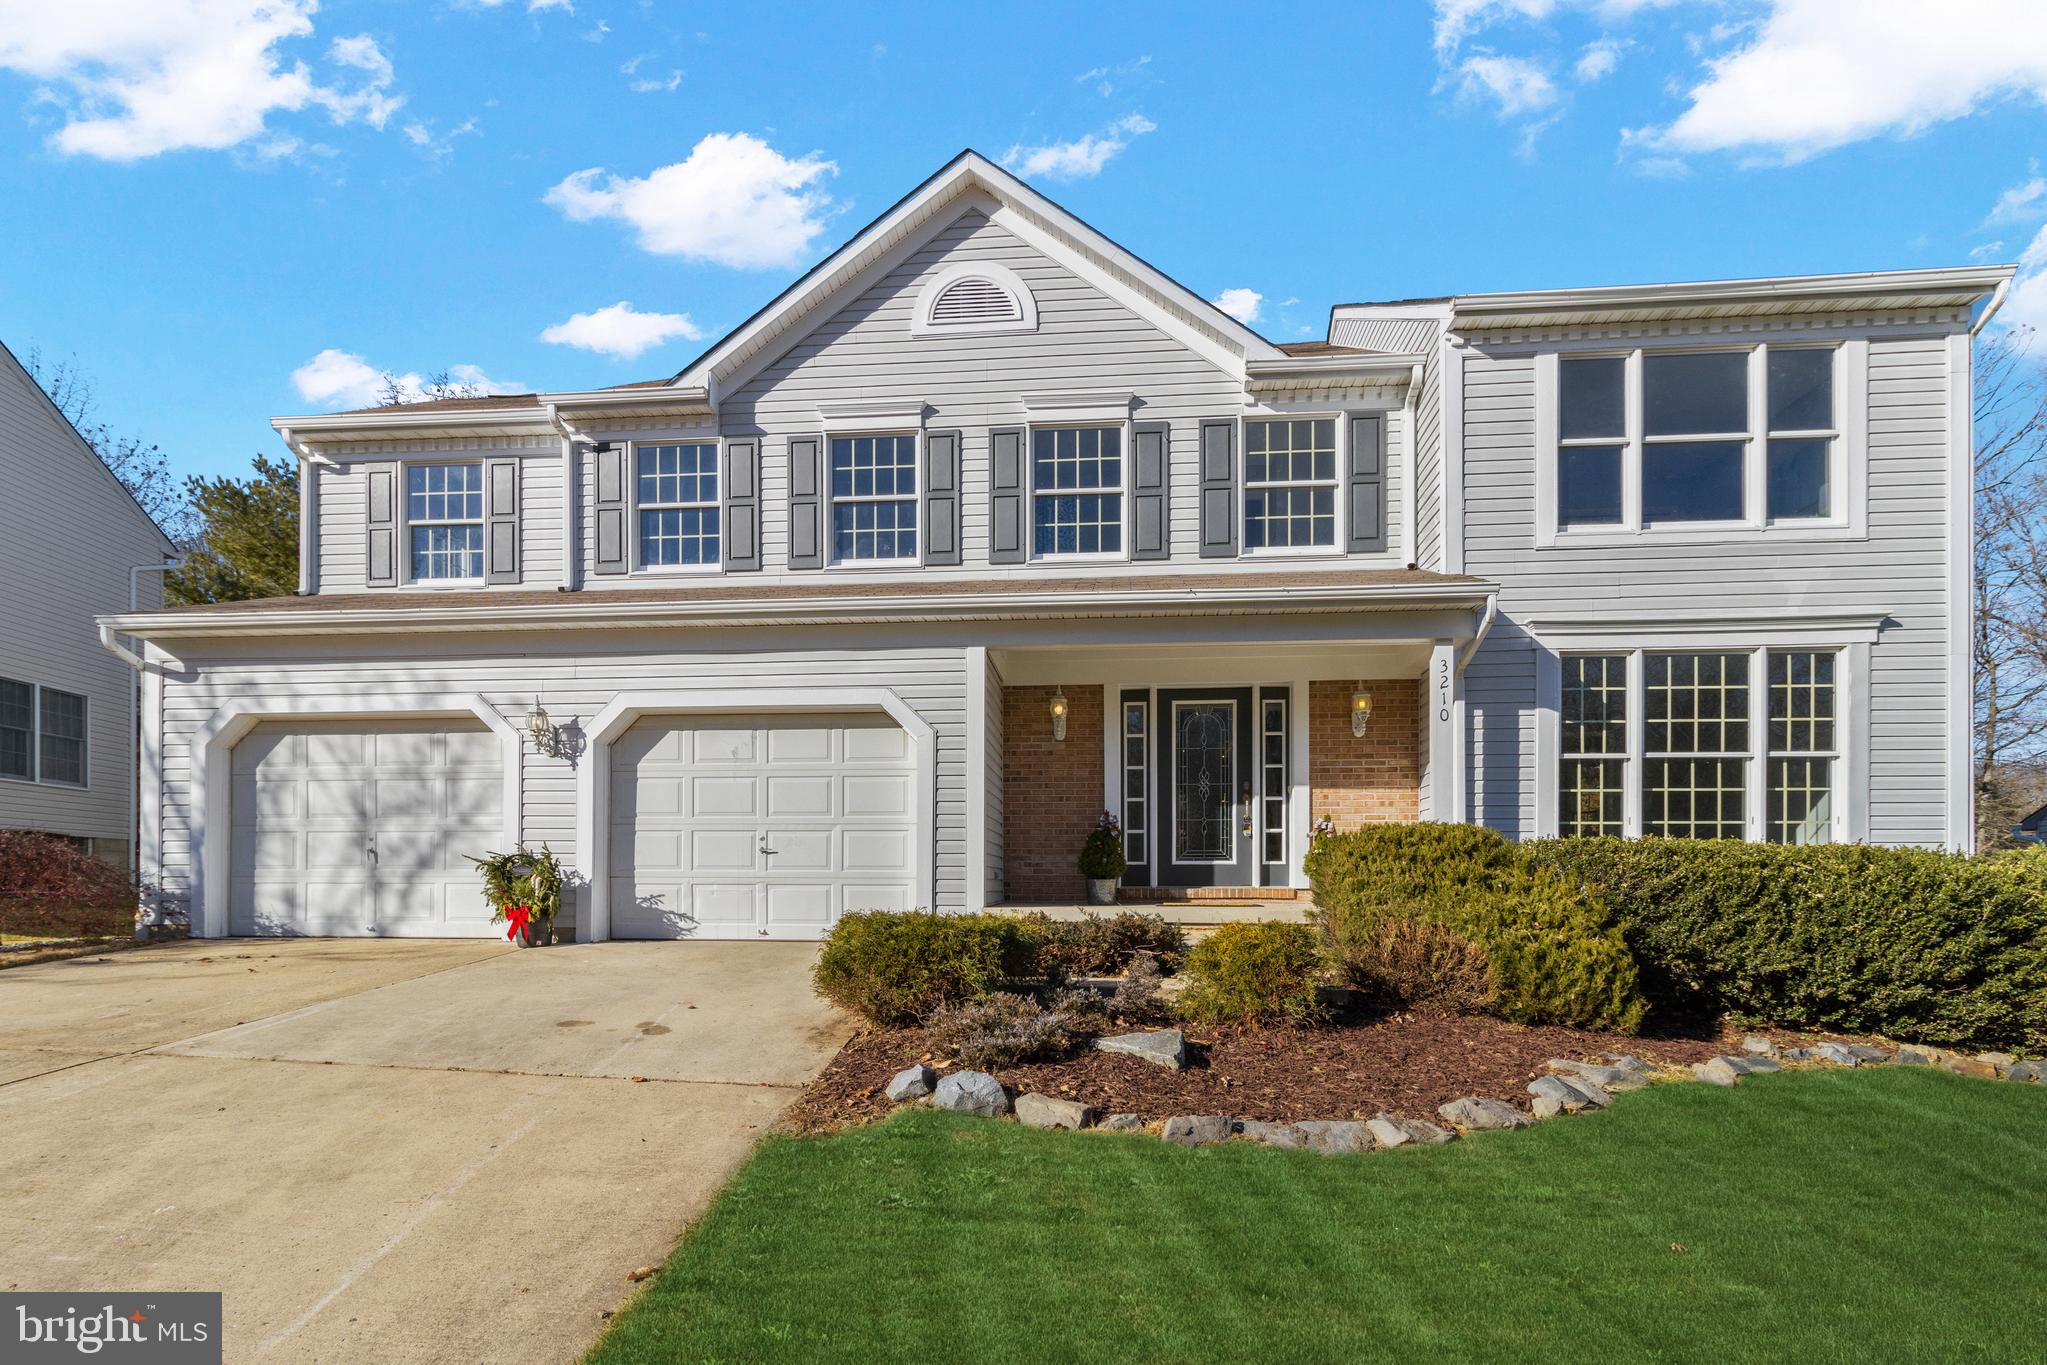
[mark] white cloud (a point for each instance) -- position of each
(1241, 304)
(1810, 78)
(1457, 20)
(439, 146)
(648, 85)
(2026, 305)
(734, 201)
(622, 331)
(1598, 60)
(340, 379)
(1079, 159)
(2021, 203)
(1987, 251)
(136, 78)
(1515, 85)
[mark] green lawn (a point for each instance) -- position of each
(1870, 1216)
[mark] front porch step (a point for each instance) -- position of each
(1194, 915)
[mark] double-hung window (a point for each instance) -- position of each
(444, 512)
(677, 498)
(1668, 743)
(1077, 491)
(1290, 484)
(42, 734)
(874, 498)
(1739, 438)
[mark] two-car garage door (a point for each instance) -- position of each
(759, 826)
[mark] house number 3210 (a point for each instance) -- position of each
(1442, 689)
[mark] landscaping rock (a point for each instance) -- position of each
(1912, 1056)
(1717, 1071)
(1760, 1047)
(1628, 1063)
(1554, 1095)
(1044, 1111)
(1198, 1130)
(1968, 1066)
(1606, 1077)
(1166, 1047)
(1390, 1131)
(1475, 1115)
(1289, 1135)
(1756, 1065)
(1869, 1056)
(1798, 1054)
(2027, 1071)
(1122, 1123)
(1835, 1053)
(911, 1083)
(971, 1092)
(1336, 1137)
(2001, 1060)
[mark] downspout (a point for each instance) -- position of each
(1408, 519)
(136, 664)
(1485, 628)
(572, 526)
(309, 511)
(1990, 310)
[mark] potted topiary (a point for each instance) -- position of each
(524, 889)
(1102, 861)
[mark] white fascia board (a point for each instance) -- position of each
(1979, 280)
(400, 420)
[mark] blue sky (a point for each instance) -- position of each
(229, 209)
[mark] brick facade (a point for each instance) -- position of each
(1051, 791)
(1370, 779)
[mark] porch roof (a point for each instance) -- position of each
(918, 598)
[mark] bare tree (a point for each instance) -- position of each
(399, 390)
(2010, 644)
(142, 467)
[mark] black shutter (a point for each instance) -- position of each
(1219, 490)
(806, 505)
(1006, 496)
(501, 521)
(742, 529)
(380, 554)
(1366, 484)
(609, 510)
(1152, 442)
(942, 498)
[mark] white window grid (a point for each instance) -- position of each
(444, 519)
(1290, 483)
(1715, 746)
(1078, 477)
(1633, 441)
(1272, 743)
(676, 495)
(44, 734)
(873, 481)
(1137, 781)
(1804, 726)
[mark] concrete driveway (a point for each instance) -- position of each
(385, 1150)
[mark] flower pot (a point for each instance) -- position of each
(1101, 890)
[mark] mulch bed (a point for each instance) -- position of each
(1399, 1064)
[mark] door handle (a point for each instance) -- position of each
(765, 850)
(370, 849)
(1245, 799)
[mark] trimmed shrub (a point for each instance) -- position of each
(1005, 1029)
(1263, 973)
(1104, 945)
(895, 967)
(1412, 964)
(1923, 946)
(1554, 954)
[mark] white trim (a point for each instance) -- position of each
(1452, 471)
(1782, 627)
(1339, 418)
(149, 775)
(593, 775)
(978, 778)
(1001, 276)
(872, 416)
(1171, 825)
(830, 500)
(212, 775)
(636, 565)
(1961, 594)
(1126, 460)
(1112, 750)
(1300, 770)
(1091, 408)
(402, 518)
(309, 524)
(1850, 292)
(1443, 695)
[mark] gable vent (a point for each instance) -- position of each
(974, 299)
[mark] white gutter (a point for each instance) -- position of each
(1411, 405)
(1996, 302)
(1769, 288)
(572, 524)
(136, 664)
(402, 416)
(1485, 628)
(309, 510)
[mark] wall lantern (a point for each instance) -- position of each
(1059, 713)
(547, 736)
(1360, 711)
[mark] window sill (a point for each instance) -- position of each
(858, 564)
(442, 584)
(1703, 533)
(1114, 557)
(677, 570)
(1295, 552)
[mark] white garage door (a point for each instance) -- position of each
(759, 826)
(357, 827)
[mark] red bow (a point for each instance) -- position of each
(517, 917)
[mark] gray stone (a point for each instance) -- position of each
(1554, 1095)
(1288, 1135)
(1629, 1063)
(1391, 1131)
(1760, 1047)
(1166, 1047)
(912, 1083)
(1606, 1077)
(1912, 1056)
(2030, 1070)
(2000, 1060)
(1045, 1111)
(1475, 1115)
(1336, 1137)
(1718, 1071)
(1758, 1065)
(1798, 1054)
(1198, 1130)
(1835, 1053)
(1869, 1056)
(1122, 1123)
(971, 1092)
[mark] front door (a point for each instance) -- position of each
(1205, 777)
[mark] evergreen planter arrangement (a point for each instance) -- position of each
(524, 889)
(1102, 861)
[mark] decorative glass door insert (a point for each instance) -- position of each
(1204, 782)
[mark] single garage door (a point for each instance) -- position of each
(759, 826)
(357, 827)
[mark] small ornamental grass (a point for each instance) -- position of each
(1252, 974)
(1005, 1028)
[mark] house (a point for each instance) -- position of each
(2029, 830)
(985, 526)
(70, 535)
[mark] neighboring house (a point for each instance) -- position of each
(2030, 829)
(69, 532)
(985, 525)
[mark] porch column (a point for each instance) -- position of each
(1443, 688)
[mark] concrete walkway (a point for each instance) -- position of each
(388, 1151)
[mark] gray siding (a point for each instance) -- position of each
(574, 679)
(1428, 465)
(1900, 568)
(68, 534)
